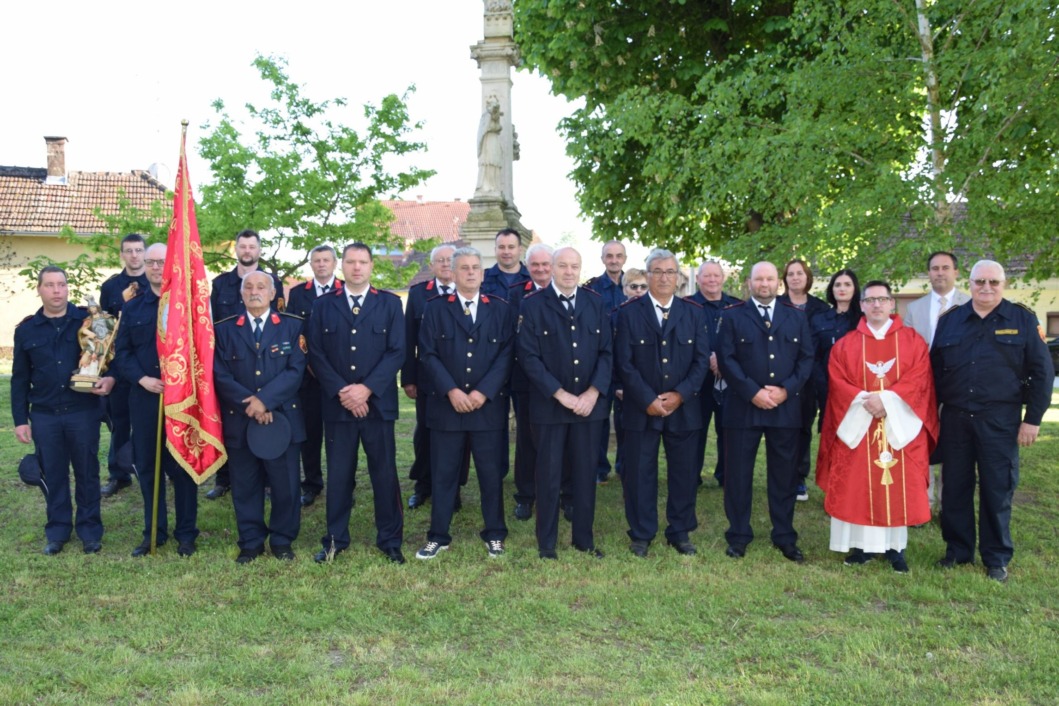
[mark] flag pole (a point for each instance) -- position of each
(157, 474)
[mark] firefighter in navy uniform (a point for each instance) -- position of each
(356, 348)
(116, 290)
(300, 301)
(990, 361)
(258, 370)
(226, 300)
(61, 423)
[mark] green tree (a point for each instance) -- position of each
(303, 178)
(865, 133)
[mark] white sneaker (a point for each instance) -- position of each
(803, 493)
(495, 547)
(430, 550)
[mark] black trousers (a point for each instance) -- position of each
(988, 443)
(121, 428)
(250, 476)
(740, 452)
(343, 439)
(65, 439)
(312, 412)
(570, 443)
(640, 481)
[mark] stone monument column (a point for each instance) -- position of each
(493, 205)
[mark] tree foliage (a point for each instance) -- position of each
(302, 178)
(864, 133)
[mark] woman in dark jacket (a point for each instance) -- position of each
(843, 294)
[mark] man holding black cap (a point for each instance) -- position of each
(258, 371)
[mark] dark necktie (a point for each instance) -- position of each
(765, 315)
(568, 302)
(325, 289)
(257, 330)
(356, 304)
(665, 312)
(467, 309)
(444, 290)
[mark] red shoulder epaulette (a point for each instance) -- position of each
(485, 299)
(240, 321)
(275, 318)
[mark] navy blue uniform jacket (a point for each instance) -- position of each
(135, 348)
(226, 299)
(273, 372)
(652, 360)
(751, 356)
(494, 285)
(366, 349)
(45, 358)
(111, 297)
(302, 296)
(980, 364)
(418, 296)
(557, 351)
(457, 353)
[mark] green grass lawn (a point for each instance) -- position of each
(467, 629)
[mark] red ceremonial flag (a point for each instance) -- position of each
(185, 342)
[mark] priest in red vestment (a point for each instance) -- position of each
(879, 429)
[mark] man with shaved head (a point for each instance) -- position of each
(766, 357)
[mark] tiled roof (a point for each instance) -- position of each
(29, 205)
(419, 220)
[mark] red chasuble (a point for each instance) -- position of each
(875, 484)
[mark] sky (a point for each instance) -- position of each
(116, 79)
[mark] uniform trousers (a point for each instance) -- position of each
(250, 475)
(144, 409)
(525, 453)
(489, 450)
(63, 438)
(640, 481)
(420, 470)
(117, 403)
(562, 447)
(312, 408)
(712, 408)
(342, 440)
(990, 442)
(740, 453)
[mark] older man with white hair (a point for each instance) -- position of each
(990, 361)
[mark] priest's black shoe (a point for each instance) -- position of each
(248, 555)
(393, 554)
(736, 551)
(92, 547)
(639, 548)
(791, 552)
(683, 547)
(417, 500)
(113, 486)
(144, 548)
(53, 548)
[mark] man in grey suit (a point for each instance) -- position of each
(923, 315)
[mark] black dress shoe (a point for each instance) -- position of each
(949, 562)
(791, 552)
(325, 555)
(309, 497)
(591, 551)
(218, 491)
(393, 554)
(736, 551)
(417, 500)
(683, 547)
(144, 548)
(639, 548)
(186, 548)
(53, 548)
(997, 573)
(523, 511)
(857, 556)
(113, 486)
(92, 547)
(283, 552)
(897, 560)
(248, 555)
(547, 554)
